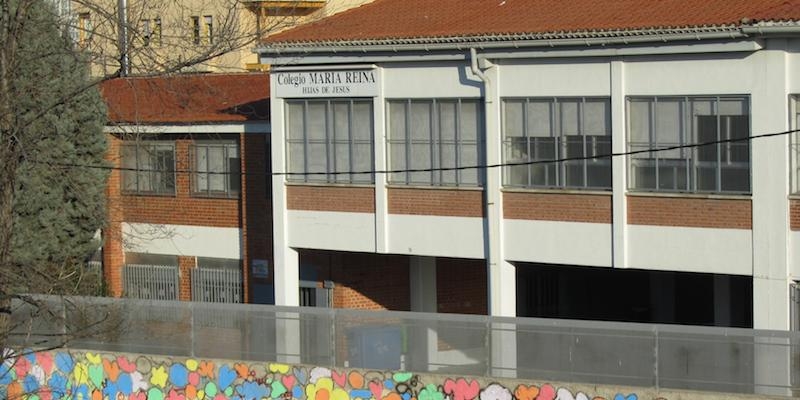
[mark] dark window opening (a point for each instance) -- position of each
(591, 293)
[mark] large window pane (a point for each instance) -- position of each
(435, 138)
(559, 139)
(327, 140)
(216, 168)
(704, 125)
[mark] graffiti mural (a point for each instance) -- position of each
(58, 375)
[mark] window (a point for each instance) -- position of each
(216, 169)
(658, 122)
(208, 29)
(436, 137)
(195, 29)
(554, 129)
(84, 28)
(151, 32)
(149, 168)
(328, 139)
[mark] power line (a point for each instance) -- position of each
(396, 171)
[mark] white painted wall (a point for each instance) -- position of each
(561, 77)
(557, 242)
(435, 236)
(429, 81)
(693, 75)
(183, 240)
(331, 230)
(723, 251)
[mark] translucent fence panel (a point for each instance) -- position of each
(662, 356)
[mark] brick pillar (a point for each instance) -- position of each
(256, 208)
(113, 252)
(185, 266)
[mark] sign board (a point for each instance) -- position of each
(260, 268)
(327, 83)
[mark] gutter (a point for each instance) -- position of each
(549, 40)
(456, 45)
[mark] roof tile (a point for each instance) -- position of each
(407, 19)
(188, 98)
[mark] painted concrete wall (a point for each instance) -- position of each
(55, 375)
(184, 240)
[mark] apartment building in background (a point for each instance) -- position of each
(456, 156)
(201, 36)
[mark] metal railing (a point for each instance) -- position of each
(662, 356)
(216, 285)
(151, 282)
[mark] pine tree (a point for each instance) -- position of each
(51, 119)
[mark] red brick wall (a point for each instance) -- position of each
(363, 280)
(690, 212)
(113, 256)
(185, 266)
(182, 208)
(557, 207)
(381, 282)
(256, 203)
(330, 198)
(252, 212)
(794, 214)
(461, 286)
(436, 201)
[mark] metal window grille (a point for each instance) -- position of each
(216, 285)
(151, 282)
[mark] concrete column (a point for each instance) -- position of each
(722, 300)
(424, 339)
(770, 188)
(286, 268)
(619, 166)
(287, 337)
(502, 274)
(423, 284)
(381, 164)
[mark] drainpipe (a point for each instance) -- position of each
(122, 20)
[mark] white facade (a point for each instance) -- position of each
(765, 71)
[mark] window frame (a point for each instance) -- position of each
(691, 158)
(136, 171)
(227, 146)
(560, 143)
(436, 142)
(331, 175)
(195, 26)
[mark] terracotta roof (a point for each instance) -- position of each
(408, 19)
(189, 98)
